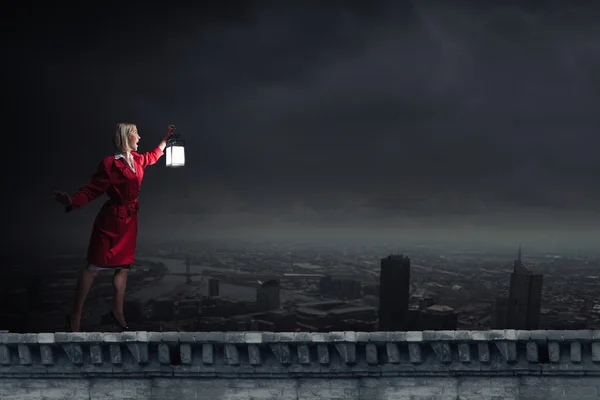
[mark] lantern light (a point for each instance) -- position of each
(175, 152)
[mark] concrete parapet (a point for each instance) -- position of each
(299, 355)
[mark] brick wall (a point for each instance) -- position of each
(452, 365)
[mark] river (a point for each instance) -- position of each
(169, 283)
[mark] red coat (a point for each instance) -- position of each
(114, 234)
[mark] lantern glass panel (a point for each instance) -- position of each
(175, 155)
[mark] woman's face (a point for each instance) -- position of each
(133, 139)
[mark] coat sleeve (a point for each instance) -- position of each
(97, 187)
(151, 157)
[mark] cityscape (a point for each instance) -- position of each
(218, 286)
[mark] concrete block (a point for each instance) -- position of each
(169, 337)
(371, 354)
(46, 354)
(414, 336)
(554, 352)
(24, 354)
(393, 353)
(555, 336)
(463, 336)
(187, 337)
(347, 351)
(443, 352)
(303, 354)
(285, 337)
(523, 335)
(323, 354)
(111, 337)
(539, 335)
(281, 352)
(4, 355)
(596, 352)
(414, 353)
(210, 337)
(362, 337)
(235, 337)
(139, 351)
(253, 337)
(231, 354)
(508, 350)
(115, 354)
(254, 355)
(317, 337)
(576, 352)
(483, 350)
(532, 350)
(208, 353)
(479, 336)
(464, 352)
(74, 352)
(164, 354)
(185, 353)
(96, 354)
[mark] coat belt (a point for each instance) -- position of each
(123, 210)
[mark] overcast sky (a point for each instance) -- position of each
(398, 115)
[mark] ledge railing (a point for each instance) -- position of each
(299, 354)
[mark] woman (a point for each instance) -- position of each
(113, 240)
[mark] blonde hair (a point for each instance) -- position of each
(121, 136)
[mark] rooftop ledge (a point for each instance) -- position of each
(297, 355)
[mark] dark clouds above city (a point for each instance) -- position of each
(396, 115)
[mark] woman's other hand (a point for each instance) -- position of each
(62, 197)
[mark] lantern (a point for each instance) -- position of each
(175, 151)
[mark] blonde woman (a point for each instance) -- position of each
(114, 234)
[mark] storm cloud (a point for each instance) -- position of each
(406, 113)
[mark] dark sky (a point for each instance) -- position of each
(396, 115)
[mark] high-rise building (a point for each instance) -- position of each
(341, 287)
(213, 287)
(500, 313)
(268, 295)
(524, 297)
(439, 318)
(394, 291)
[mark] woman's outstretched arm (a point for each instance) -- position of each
(95, 188)
(151, 157)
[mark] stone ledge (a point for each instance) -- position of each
(301, 354)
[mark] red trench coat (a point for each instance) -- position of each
(114, 235)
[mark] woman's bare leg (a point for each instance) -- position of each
(119, 284)
(84, 282)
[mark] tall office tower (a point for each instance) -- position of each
(500, 313)
(213, 287)
(268, 295)
(394, 288)
(188, 277)
(524, 297)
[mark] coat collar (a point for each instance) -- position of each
(121, 156)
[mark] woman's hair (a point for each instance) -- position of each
(121, 136)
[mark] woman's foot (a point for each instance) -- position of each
(119, 320)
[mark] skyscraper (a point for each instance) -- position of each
(394, 291)
(524, 297)
(268, 295)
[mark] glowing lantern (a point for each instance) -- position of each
(175, 152)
